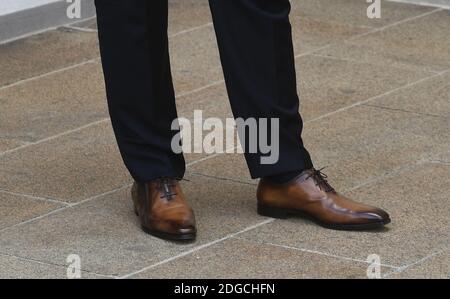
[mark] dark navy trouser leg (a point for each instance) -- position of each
(254, 38)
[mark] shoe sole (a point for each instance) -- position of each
(280, 213)
(167, 236)
(170, 237)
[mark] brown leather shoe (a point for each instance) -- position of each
(163, 210)
(311, 196)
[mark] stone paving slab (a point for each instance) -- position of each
(106, 234)
(212, 101)
(417, 199)
(53, 104)
(241, 259)
(310, 34)
(186, 14)
(318, 23)
(354, 12)
(431, 97)
(195, 60)
(373, 55)
(15, 209)
(327, 84)
(46, 52)
(70, 168)
(231, 167)
(423, 42)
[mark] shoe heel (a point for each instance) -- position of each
(272, 212)
(134, 196)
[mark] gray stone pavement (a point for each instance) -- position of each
(375, 96)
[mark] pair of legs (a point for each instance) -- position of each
(255, 43)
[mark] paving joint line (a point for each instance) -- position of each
(81, 21)
(421, 4)
(446, 163)
(228, 179)
(39, 198)
(44, 75)
(197, 248)
(356, 104)
(317, 252)
(196, 90)
(394, 171)
(81, 29)
(311, 52)
(406, 20)
(210, 156)
(371, 31)
(400, 67)
(69, 206)
(50, 138)
(46, 263)
(209, 24)
(416, 263)
(406, 111)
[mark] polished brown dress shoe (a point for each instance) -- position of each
(163, 210)
(311, 196)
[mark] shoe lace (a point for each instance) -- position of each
(166, 185)
(320, 179)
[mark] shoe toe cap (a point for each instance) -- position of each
(377, 215)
